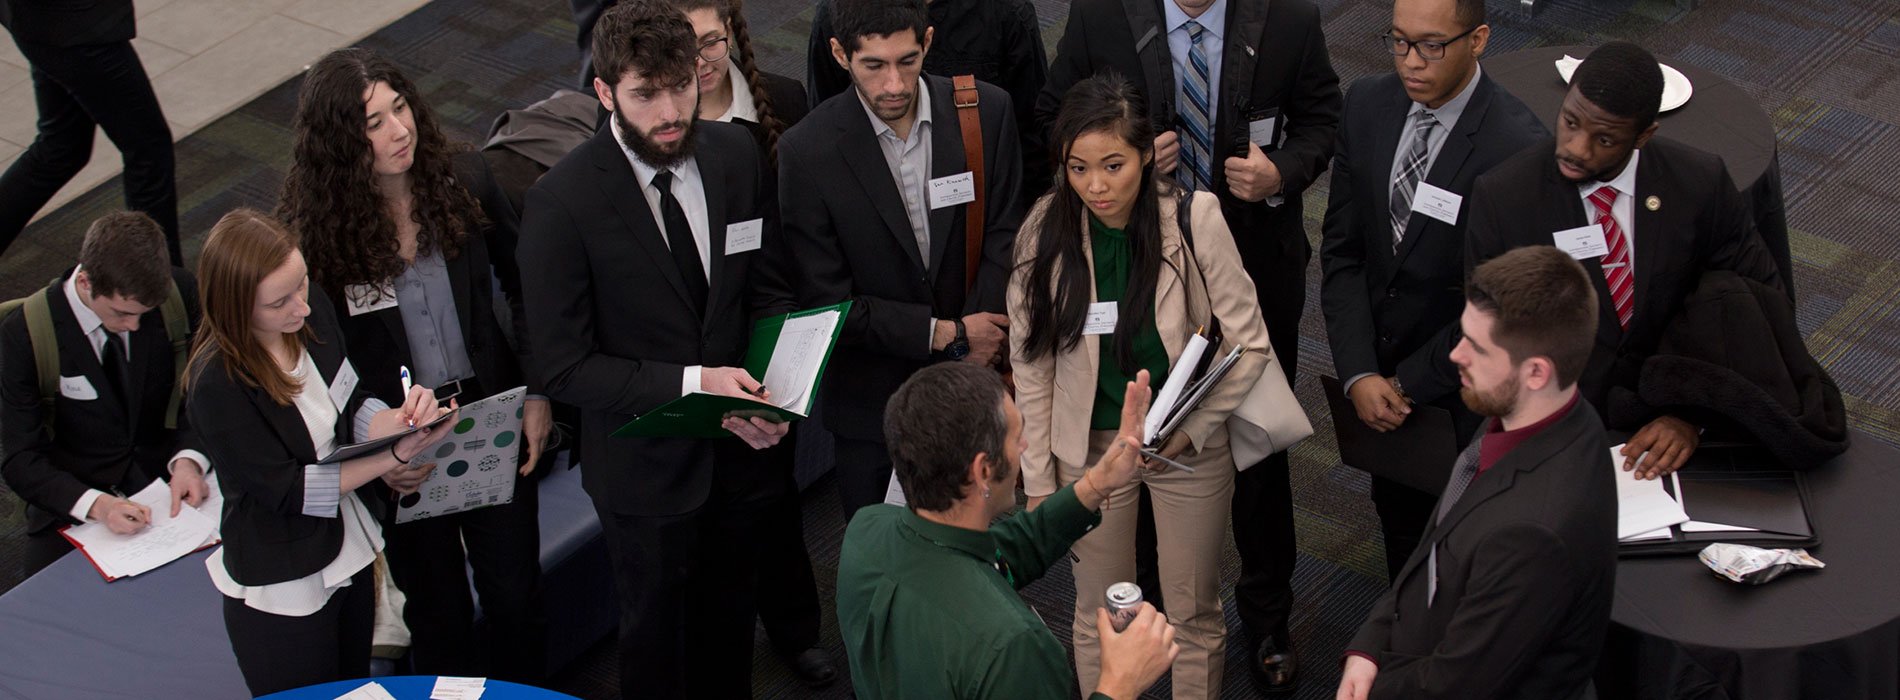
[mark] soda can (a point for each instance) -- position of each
(1124, 600)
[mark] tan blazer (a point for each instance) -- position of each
(1057, 394)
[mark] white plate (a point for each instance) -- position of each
(1676, 87)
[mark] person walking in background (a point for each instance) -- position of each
(86, 75)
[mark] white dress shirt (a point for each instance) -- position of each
(743, 106)
(95, 331)
(1623, 210)
(1213, 39)
(690, 190)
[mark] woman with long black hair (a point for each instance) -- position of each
(412, 237)
(1106, 284)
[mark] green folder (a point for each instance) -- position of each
(698, 415)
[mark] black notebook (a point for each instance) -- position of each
(1418, 454)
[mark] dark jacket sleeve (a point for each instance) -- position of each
(1485, 231)
(1525, 582)
(769, 284)
(503, 238)
(1342, 259)
(1737, 245)
(1003, 211)
(239, 439)
(25, 438)
(1071, 65)
(559, 304)
(1312, 117)
(184, 438)
(823, 77)
(1025, 69)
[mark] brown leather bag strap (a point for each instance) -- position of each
(972, 123)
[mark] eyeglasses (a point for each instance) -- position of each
(716, 49)
(1430, 50)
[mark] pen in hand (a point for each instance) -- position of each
(406, 385)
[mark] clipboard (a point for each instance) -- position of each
(369, 447)
(1419, 454)
(698, 415)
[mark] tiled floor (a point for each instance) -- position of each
(206, 58)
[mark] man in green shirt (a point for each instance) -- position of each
(927, 597)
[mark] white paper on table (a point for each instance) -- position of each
(368, 691)
(1698, 526)
(1641, 506)
(1170, 393)
(458, 688)
(1657, 534)
(163, 540)
(797, 358)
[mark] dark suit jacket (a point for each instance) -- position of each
(1274, 64)
(846, 225)
(381, 343)
(1526, 575)
(609, 316)
(1701, 224)
(1397, 314)
(69, 22)
(261, 449)
(95, 444)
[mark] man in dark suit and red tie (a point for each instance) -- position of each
(1410, 144)
(1647, 216)
(647, 254)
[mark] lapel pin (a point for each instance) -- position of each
(1653, 203)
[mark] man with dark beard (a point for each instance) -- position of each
(642, 274)
(1508, 595)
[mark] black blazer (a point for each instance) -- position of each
(1526, 576)
(846, 225)
(69, 22)
(1274, 64)
(1701, 224)
(96, 444)
(609, 316)
(261, 449)
(380, 341)
(1397, 314)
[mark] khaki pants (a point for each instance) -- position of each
(1190, 512)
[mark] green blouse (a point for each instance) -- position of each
(1113, 260)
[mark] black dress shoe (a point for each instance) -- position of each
(1275, 669)
(813, 667)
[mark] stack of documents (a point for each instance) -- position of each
(1180, 396)
(162, 541)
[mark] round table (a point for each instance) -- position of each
(1680, 631)
(416, 688)
(1719, 118)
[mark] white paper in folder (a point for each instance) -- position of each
(1170, 394)
(1642, 506)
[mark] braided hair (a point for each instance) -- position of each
(730, 13)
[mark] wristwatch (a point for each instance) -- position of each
(959, 347)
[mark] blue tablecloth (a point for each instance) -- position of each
(416, 688)
(67, 634)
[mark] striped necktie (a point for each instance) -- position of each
(1462, 473)
(1197, 122)
(1413, 170)
(1616, 265)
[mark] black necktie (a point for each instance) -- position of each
(679, 236)
(118, 370)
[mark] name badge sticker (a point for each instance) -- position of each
(77, 388)
(362, 298)
(1437, 202)
(1101, 319)
(343, 385)
(1582, 242)
(1260, 131)
(952, 190)
(745, 236)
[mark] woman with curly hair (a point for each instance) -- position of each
(731, 86)
(410, 235)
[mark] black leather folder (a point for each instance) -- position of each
(1419, 454)
(1729, 486)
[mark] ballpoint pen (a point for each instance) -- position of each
(1156, 456)
(406, 386)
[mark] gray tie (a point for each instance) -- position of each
(1461, 475)
(1412, 170)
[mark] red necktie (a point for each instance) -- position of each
(1616, 265)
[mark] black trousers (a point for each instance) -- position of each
(788, 591)
(686, 585)
(864, 474)
(503, 546)
(1263, 494)
(78, 88)
(1403, 513)
(279, 652)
